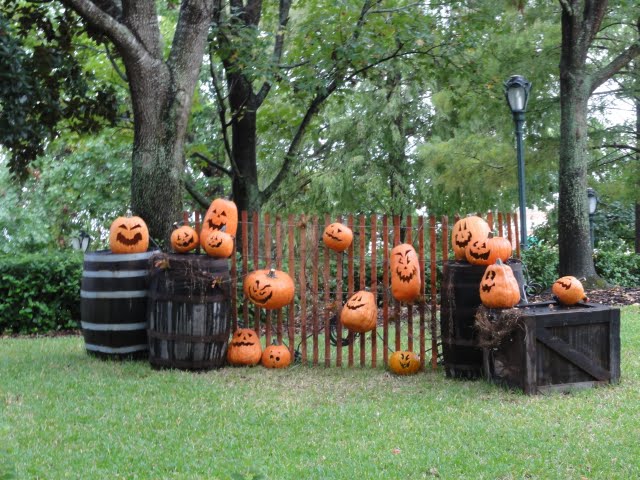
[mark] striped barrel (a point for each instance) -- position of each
(113, 304)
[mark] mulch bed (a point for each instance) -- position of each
(616, 296)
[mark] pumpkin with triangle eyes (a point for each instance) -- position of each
(244, 348)
(128, 235)
(499, 287)
(337, 237)
(276, 356)
(405, 273)
(464, 231)
(404, 362)
(485, 251)
(569, 290)
(360, 313)
(218, 244)
(184, 239)
(221, 215)
(269, 289)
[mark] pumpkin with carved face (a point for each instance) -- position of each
(405, 273)
(465, 231)
(360, 313)
(128, 235)
(270, 289)
(276, 356)
(218, 244)
(499, 287)
(221, 215)
(244, 348)
(404, 362)
(184, 239)
(569, 290)
(337, 237)
(486, 251)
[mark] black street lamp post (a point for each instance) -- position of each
(517, 90)
(592, 198)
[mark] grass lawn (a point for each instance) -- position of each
(64, 414)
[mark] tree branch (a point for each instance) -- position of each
(197, 196)
(213, 164)
(606, 72)
(619, 146)
(114, 64)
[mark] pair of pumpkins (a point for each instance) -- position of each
(474, 242)
(245, 350)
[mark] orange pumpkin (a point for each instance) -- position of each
(337, 237)
(128, 235)
(221, 215)
(486, 251)
(569, 290)
(405, 273)
(360, 313)
(404, 362)
(244, 348)
(464, 231)
(270, 289)
(218, 244)
(184, 239)
(276, 356)
(499, 287)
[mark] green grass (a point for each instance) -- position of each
(67, 415)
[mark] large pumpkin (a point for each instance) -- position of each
(404, 362)
(270, 289)
(276, 356)
(128, 235)
(244, 348)
(569, 290)
(184, 239)
(464, 231)
(486, 251)
(499, 287)
(405, 273)
(218, 244)
(221, 215)
(337, 237)
(360, 313)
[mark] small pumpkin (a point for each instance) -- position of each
(276, 356)
(184, 239)
(221, 215)
(404, 362)
(486, 251)
(128, 235)
(405, 273)
(270, 289)
(244, 348)
(360, 313)
(499, 287)
(218, 244)
(569, 290)
(464, 231)
(337, 237)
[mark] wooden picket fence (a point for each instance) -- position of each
(325, 280)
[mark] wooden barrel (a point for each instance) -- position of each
(189, 312)
(460, 299)
(113, 304)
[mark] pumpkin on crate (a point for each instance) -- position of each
(270, 289)
(128, 235)
(218, 244)
(337, 237)
(464, 231)
(486, 251)
(406, 279)
(184, 239)
(221, 215)
(499, 287)
(404, 362)
(276, 356)
(360, 313)
(244, 348)
(569, 290)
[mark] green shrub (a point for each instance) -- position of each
(40, 292)
(617, 263)
(541, 262)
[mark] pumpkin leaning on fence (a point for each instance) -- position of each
(569, 290)
(406, 279)
(184, 239)
(360, 313)
(486, 251)
(466, 230)
(404, 362)
(270, 289)
(276, 356)
(244, 348)
(128, 235)
(337, 237)
(221, 215)
(499, 287)
(218, 244)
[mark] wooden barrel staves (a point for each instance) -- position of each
(189, 312)
(113, 304)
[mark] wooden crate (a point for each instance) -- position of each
(558, 348)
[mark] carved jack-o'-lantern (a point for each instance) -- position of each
(270, 289)
(404, 363)
(244, 348)
(337, 237)
(405, 273)
(569, 290)
(128, 235)
(360, 313)
(464, 231)
(218, 244)
(184, 239)
(221, 215)
(498, 287)
(485, 251)
(276, 356)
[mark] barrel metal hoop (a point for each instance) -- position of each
(186, 364)
(220, 337)
(105, 349)
(113, 327)
(173, 298)
(114, 294)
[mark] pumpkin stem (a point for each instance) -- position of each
(490, 235)
(272, 273)
(499, 262)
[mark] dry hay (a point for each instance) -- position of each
(495, 325)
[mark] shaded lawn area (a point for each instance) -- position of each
(67, 415)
